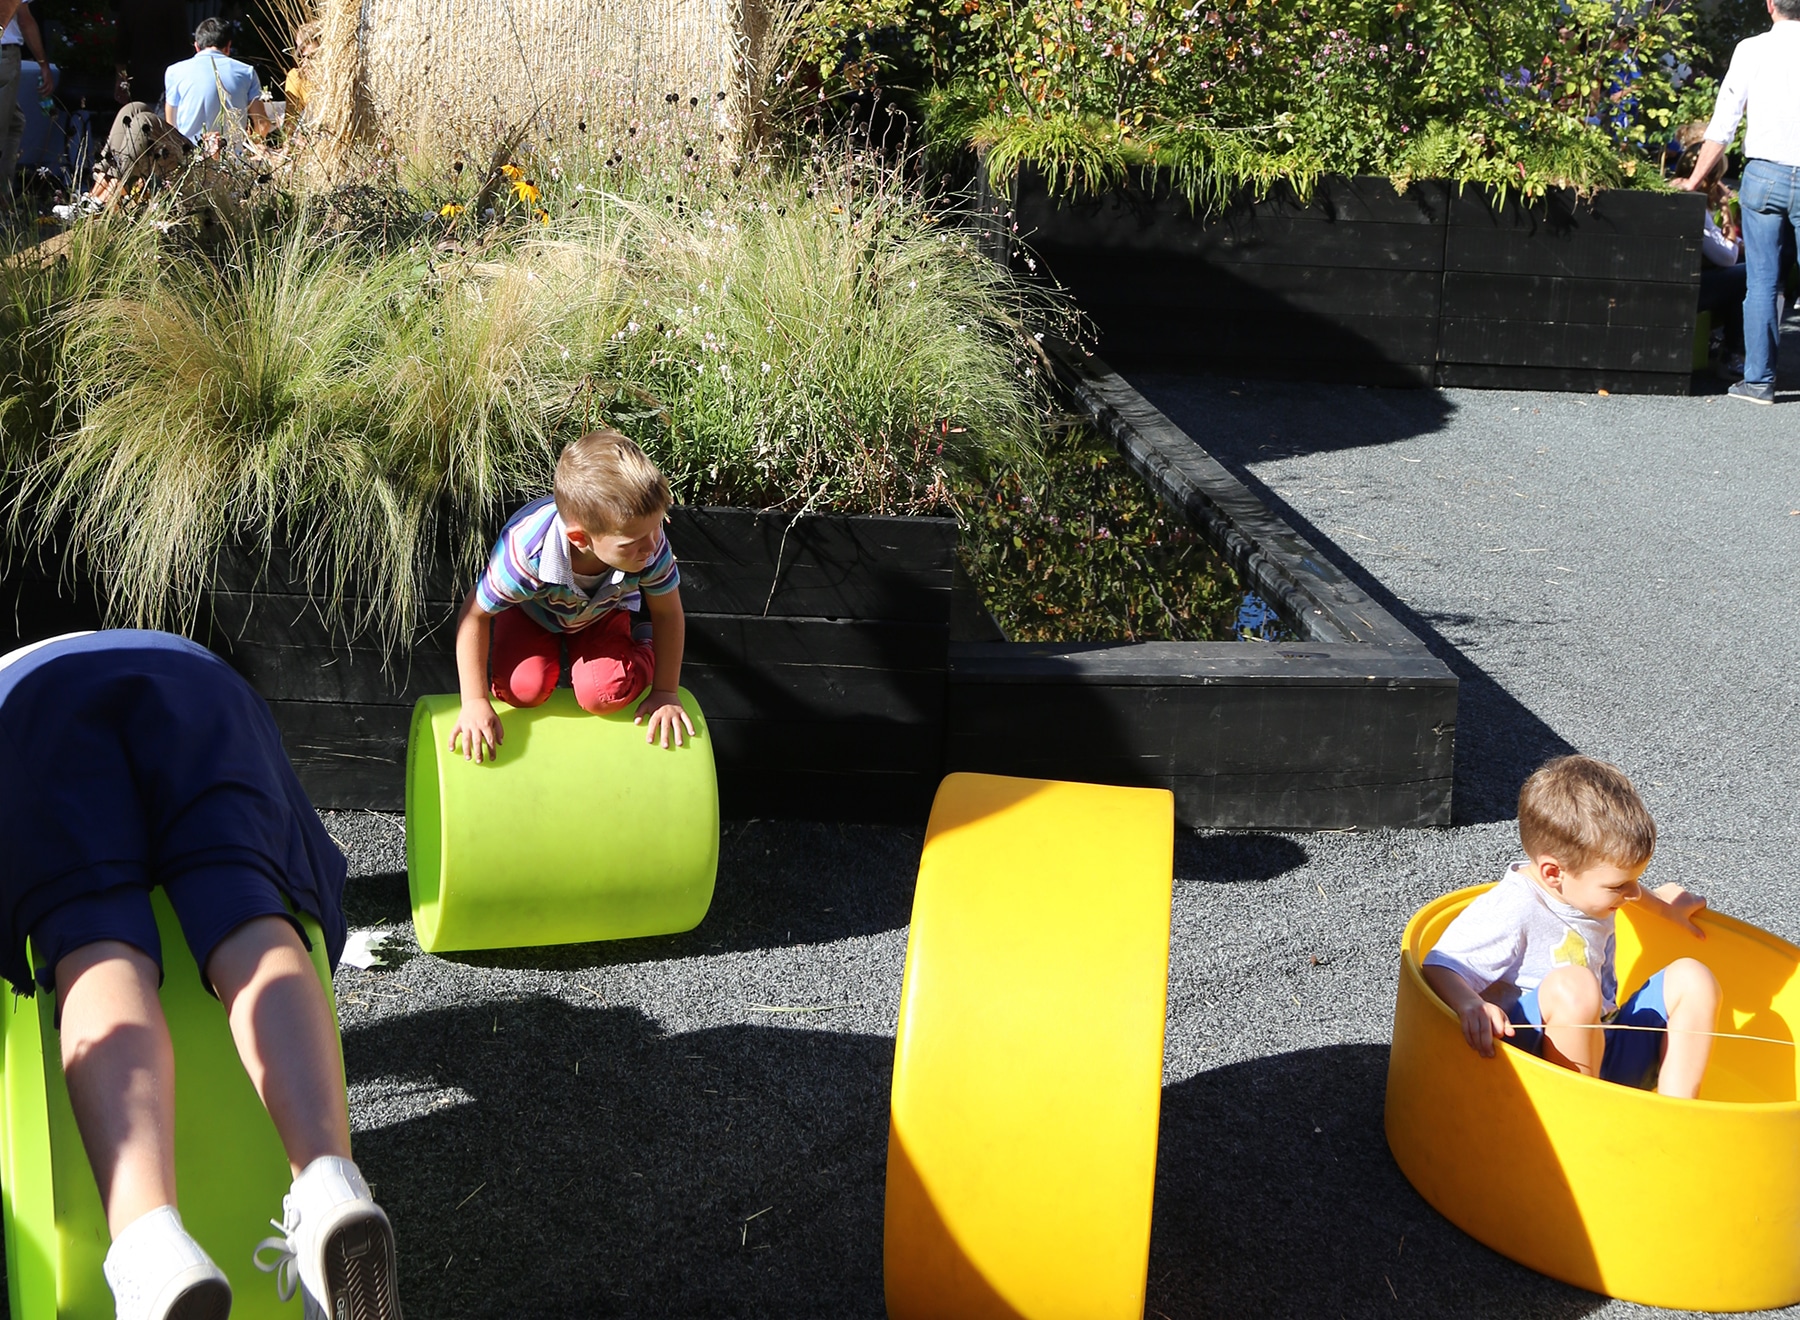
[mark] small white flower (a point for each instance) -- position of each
(912, 284)
(765, 368)
(961, 328)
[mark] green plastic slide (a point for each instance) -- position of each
(230, 1171)
(579, 830)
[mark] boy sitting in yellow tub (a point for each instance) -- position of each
(1532, 959)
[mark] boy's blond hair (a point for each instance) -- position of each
(604, 481)
(1581, 811)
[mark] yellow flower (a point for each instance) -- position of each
(543, 217)
(526, 191)
(512, 172)
(451, 210)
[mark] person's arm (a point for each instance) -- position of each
(478, 732)
(1728, 112)
(1481, 1020)
(34, 42)
(661, 710)
(1674, 903)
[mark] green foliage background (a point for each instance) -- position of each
(1077, 547)
(1527, 95)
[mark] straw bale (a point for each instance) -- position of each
(434, 76)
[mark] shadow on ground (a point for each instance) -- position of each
(797, 882)
(1229, 859)
(1276, 1196)
(732, 1172)
(1499, 741)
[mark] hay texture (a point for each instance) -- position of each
(436, 77)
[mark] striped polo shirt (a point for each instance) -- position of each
(530, 568)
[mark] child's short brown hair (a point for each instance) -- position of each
(604, 481)
(1581, 811)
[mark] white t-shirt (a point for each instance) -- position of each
(12, 36)
(1764, 78)
(1715, 247)
(1518, 932)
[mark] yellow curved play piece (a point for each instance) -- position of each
(1680, 1203)
(1028, 1060)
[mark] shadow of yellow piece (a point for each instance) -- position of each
(1028, 1059)
(578, 830)
(230, 1170)
(1692, 1204)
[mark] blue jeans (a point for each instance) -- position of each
(1770, 202)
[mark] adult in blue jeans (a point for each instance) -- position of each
(1763, 81)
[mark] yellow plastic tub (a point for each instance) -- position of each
(1680, 1203)
(1028, 1060)
(578, 830)
(230, 1170)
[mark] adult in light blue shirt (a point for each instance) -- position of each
(212, 90)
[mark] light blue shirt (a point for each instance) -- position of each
(205, 88)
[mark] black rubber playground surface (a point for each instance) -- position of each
(696, 1127)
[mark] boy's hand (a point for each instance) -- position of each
(1481, 1022)
(663, 713)
(478, 732)
(1682, 906)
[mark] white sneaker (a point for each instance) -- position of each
(336, 1248)
(158, 1272)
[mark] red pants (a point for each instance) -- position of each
(606, 668)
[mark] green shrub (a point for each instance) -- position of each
(1078, 549)
(1525, 96)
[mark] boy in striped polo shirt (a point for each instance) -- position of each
(570, 568)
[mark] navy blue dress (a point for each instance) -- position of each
(128, 756)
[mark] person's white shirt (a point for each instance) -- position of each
(1715, 247)
(1763, 80)
(12, 36)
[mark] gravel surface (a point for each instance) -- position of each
(696, 1126)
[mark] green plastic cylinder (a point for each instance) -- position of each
(578, 830)
(230, 1169)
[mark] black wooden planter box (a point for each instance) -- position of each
(1436, 286)
(822, 677)
(1354, 726)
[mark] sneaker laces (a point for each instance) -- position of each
(285, 1265)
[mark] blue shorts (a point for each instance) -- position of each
(1632, 1058)
(209, 901)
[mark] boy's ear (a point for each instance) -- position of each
(578, 538)
(1550, 871)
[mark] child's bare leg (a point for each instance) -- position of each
(1569, 998)
(283, 1028)
(120, 1067)
(1692, 994)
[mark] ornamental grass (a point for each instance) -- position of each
(368, 375)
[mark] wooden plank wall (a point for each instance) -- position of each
(1345, 286)
(819, 653)
(1301, 736)
(1436, 286)
(1557, 294)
